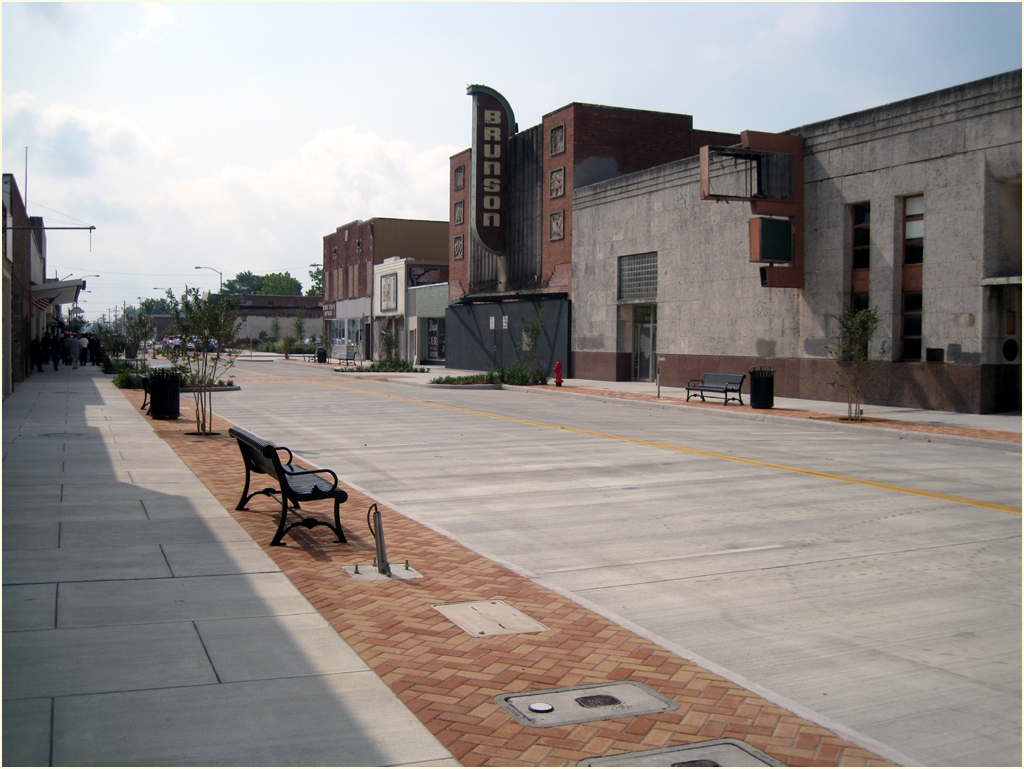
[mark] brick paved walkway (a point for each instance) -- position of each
(449, 678)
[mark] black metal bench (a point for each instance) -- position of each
(348, 358)
(145, 390)
(296, 484)
(725, 385)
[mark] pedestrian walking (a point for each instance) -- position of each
(74, 350)
(36, 351)
(94, 349)
(56, 351)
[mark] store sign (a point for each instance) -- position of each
(493, 126)
(389, 292)
(330, 312)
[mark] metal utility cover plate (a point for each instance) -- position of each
(483, 618)
(580, 704)
(712, 753)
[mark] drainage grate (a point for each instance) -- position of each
(712, 753)
(62, 435)
(579, 704)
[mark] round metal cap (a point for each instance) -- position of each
(541, 707)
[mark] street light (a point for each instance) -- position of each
(81, 278)
(221, 274)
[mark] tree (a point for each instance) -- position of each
(280, 284)
(244, 283)
(849, 349)
(299, 325)
(316, 278)
(150, 306)
(207, 329)
(138, 329)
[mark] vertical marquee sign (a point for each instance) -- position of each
(493, 125)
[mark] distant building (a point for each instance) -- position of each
(261, 316)
(409, 302)
(492, 295)
(648, 247)
(31, 302)
(350, 255)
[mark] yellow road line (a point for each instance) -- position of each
(698, 452)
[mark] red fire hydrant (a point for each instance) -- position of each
(558, 373)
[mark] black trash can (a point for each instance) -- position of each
(762, 388)
(164, 394)
(321, 354)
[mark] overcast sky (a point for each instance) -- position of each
(236, 135)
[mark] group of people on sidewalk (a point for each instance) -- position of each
(67, 348)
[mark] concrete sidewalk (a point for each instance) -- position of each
(142, 625)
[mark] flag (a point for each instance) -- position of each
(43, 302)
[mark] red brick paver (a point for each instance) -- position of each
(449, 678)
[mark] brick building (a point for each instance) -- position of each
(577, 145)
(259, 314)
(350, 255)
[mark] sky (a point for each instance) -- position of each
(235, 136)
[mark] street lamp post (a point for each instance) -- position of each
(219, 273)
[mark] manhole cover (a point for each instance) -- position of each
(712, 753)
(483, 618)
(579, 704)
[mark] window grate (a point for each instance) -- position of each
(638, 277)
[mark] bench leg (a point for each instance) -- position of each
(283, 527)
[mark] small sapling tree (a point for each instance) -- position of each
(849, 349)
(207, 329)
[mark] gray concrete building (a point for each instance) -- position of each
(913, 208)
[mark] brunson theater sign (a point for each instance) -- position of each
(493, 125)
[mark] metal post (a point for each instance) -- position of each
(377, 530)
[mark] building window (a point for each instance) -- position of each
(913, 279)
(638, 277)
(557, 185)
(558, 139)
(460, 177)
(861, 245)
(913, 230)
(460, 212)
(913, 322)
(862, 236)
(556, 225)
(457, 252)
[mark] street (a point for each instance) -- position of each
(869, 583)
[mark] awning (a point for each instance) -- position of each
(56, 292)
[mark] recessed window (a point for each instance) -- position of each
(862, 236)
(638, 277)
(558, 139)
(913, 323)
(913, 230)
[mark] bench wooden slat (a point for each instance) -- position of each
(297, 484)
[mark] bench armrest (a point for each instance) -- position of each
(694, 382)
(284, 448)
(333, 475)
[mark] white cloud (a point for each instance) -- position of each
(156, 19)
